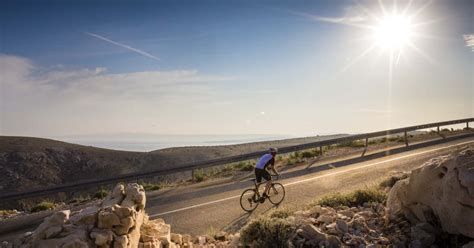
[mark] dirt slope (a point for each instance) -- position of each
(28, 162)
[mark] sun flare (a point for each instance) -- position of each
(393, 32)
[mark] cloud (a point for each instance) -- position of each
(122, 45)
(20, 73)
(353, 16)
(62, 100)
(469, 40)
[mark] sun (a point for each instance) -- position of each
(393, 31)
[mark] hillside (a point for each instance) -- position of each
(28, 162)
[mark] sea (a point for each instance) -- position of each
(151, 142)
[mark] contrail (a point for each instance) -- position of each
(122, 45)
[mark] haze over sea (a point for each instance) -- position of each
(150, 142)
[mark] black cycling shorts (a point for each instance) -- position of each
(262, 173)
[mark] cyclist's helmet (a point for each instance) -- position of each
(273, 150)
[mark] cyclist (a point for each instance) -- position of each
(266, 161)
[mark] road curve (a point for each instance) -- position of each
(199, 209)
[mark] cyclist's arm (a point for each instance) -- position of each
(272, 167)
(275, 172)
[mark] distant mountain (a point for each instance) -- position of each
(27, 162)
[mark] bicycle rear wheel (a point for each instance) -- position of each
(276, 194)
(248, 200)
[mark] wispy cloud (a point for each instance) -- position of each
(469, 39)
(100, 37)
(353, 16)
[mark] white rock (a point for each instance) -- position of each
(442, 187)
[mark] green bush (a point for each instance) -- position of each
(245, 166)
(292, 161)
(151, 186)
(267, 232)
(4, 213)
(310, 154)
(101, 193)
(199, 175)
(394, 138)
(353, 199)
(44, 205)
(295, 155)
(390, 181)
(355, 143)
(280, 213)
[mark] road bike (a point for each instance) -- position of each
(250, 198)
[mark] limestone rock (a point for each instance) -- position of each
(114, 222)
(442, 188)
(135, 196)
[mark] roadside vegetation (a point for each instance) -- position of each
(274, 229)
(42, 206)
(101, 193)
(354, 199)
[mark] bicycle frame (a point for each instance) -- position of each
(257, 185)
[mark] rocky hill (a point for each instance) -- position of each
(28, 162)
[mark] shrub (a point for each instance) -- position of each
(267, 232)
(292, 161)
(199, 175)
(310, 154)
(101, 193)
(245, 166)
(44, 205)
(353, 199)
(401, 140)
(151, 186)
(355, 143)
(4, 213)
(280, 213)
(394, 138)
(390, 181)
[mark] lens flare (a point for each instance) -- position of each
(393, 32)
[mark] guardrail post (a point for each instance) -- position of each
(192, 175)
(406, 139)
(467, 125)
(366, 145)
(320, 150)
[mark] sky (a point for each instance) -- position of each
(232, 67)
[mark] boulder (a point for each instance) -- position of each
(313, 233)
(135, 196)
(115, 222)
(342, 226)
(51, 226)
(441, 189)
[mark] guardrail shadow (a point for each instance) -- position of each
(179, 197)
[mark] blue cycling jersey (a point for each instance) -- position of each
(264, 161)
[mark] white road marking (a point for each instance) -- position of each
(316, 177)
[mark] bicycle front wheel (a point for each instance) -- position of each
(248, 200)
(276, 194)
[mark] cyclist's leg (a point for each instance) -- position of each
(268, 184)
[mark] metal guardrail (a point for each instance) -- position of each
(227, 160)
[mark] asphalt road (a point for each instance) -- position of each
(200, 209)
